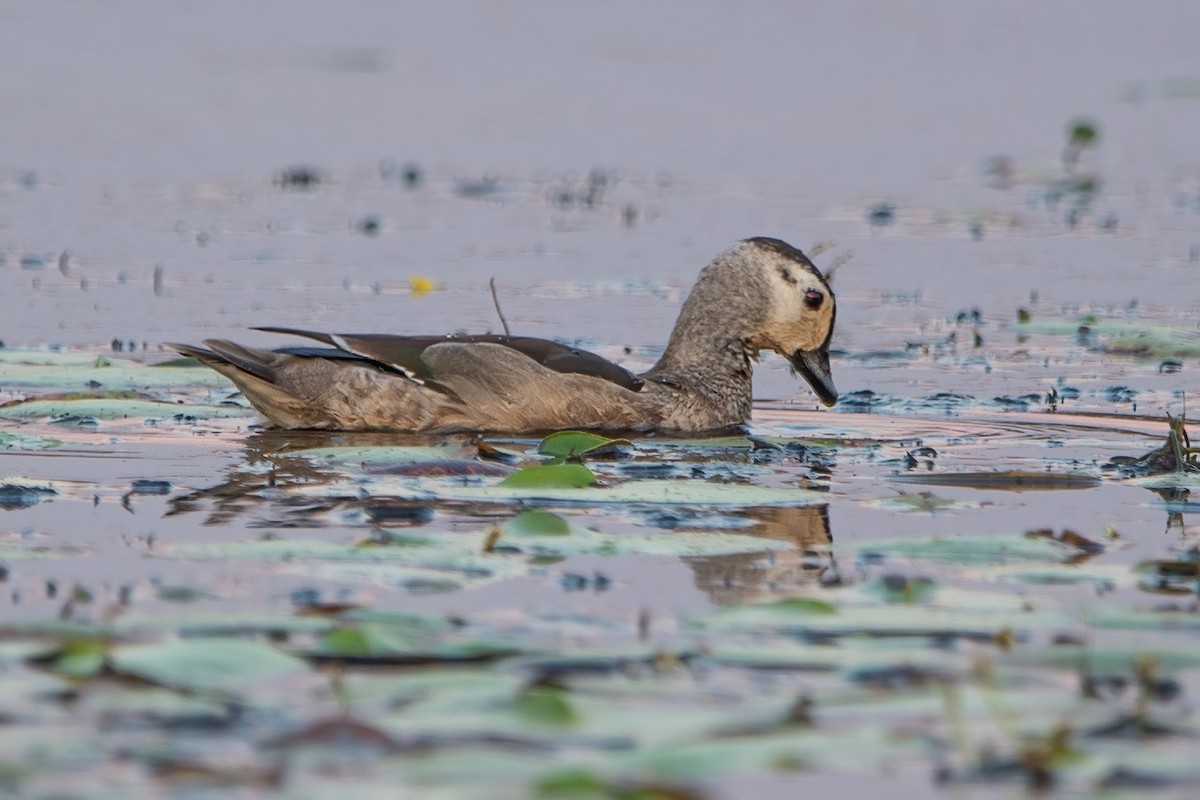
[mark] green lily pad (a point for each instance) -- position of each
(355, 457)
(80, 658)
(659, 492)
(397, 642)
(1111, 659)
(72, 371)
(550, 476)
(888, 621)
(536, 522)
(20, 441)
(1123, 337)
(546, 706)
(113, 409)
(971, 550)
(206, 665)
(565, 444)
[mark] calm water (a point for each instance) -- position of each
(591, 160)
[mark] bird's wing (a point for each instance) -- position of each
(405, 353)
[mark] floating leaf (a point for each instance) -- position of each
(404, 641)
(80, 658)
(546, 706)
(976, 549)
(377, 457)
(73, 371)
(205, 665)
(565, 444)
(19, 441)
(118, 409)
(550, 476)
(663, 492)
(536, 522)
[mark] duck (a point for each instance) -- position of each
(761, 294)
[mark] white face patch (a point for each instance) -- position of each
(802, 308)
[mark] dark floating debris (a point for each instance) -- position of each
(75, 421)
(1120, 394)
(370, 225)
(588, 195)
(1175, 456)
(400, 515)
(14, 496)
(487, 186)
(408, 175)
(1170, 366)
(881, 215)
(150, 486)
(299, 177)
(1012, 480)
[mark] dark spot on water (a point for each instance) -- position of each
(429, 586)
(370, 225)
(150, 486)
(895, 676)
(652, 470)
(881, 215)
(486, 186)
(1120, 394)
(948, 400)
(400, 515)
(862, 401)
(75, 421)
(14, 496)
(975, 229)
(1170, 366)
(409, 175)
(1016, 403)
(573, 582)
(299, 177)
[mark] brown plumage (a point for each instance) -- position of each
(763, 294)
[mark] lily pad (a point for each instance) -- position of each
(206, 665)
(1123, 337)
(400, 642)
(73, 371)
(969, 549)
(112, 409)
(20, 441)
(356, 457)
(661, 492)
(536, 522)
(550, 476)
(567, 444)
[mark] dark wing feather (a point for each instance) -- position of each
(404, 352)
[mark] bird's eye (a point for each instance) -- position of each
(813, 299)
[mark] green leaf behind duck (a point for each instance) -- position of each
(577, 444)
(551, 476)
